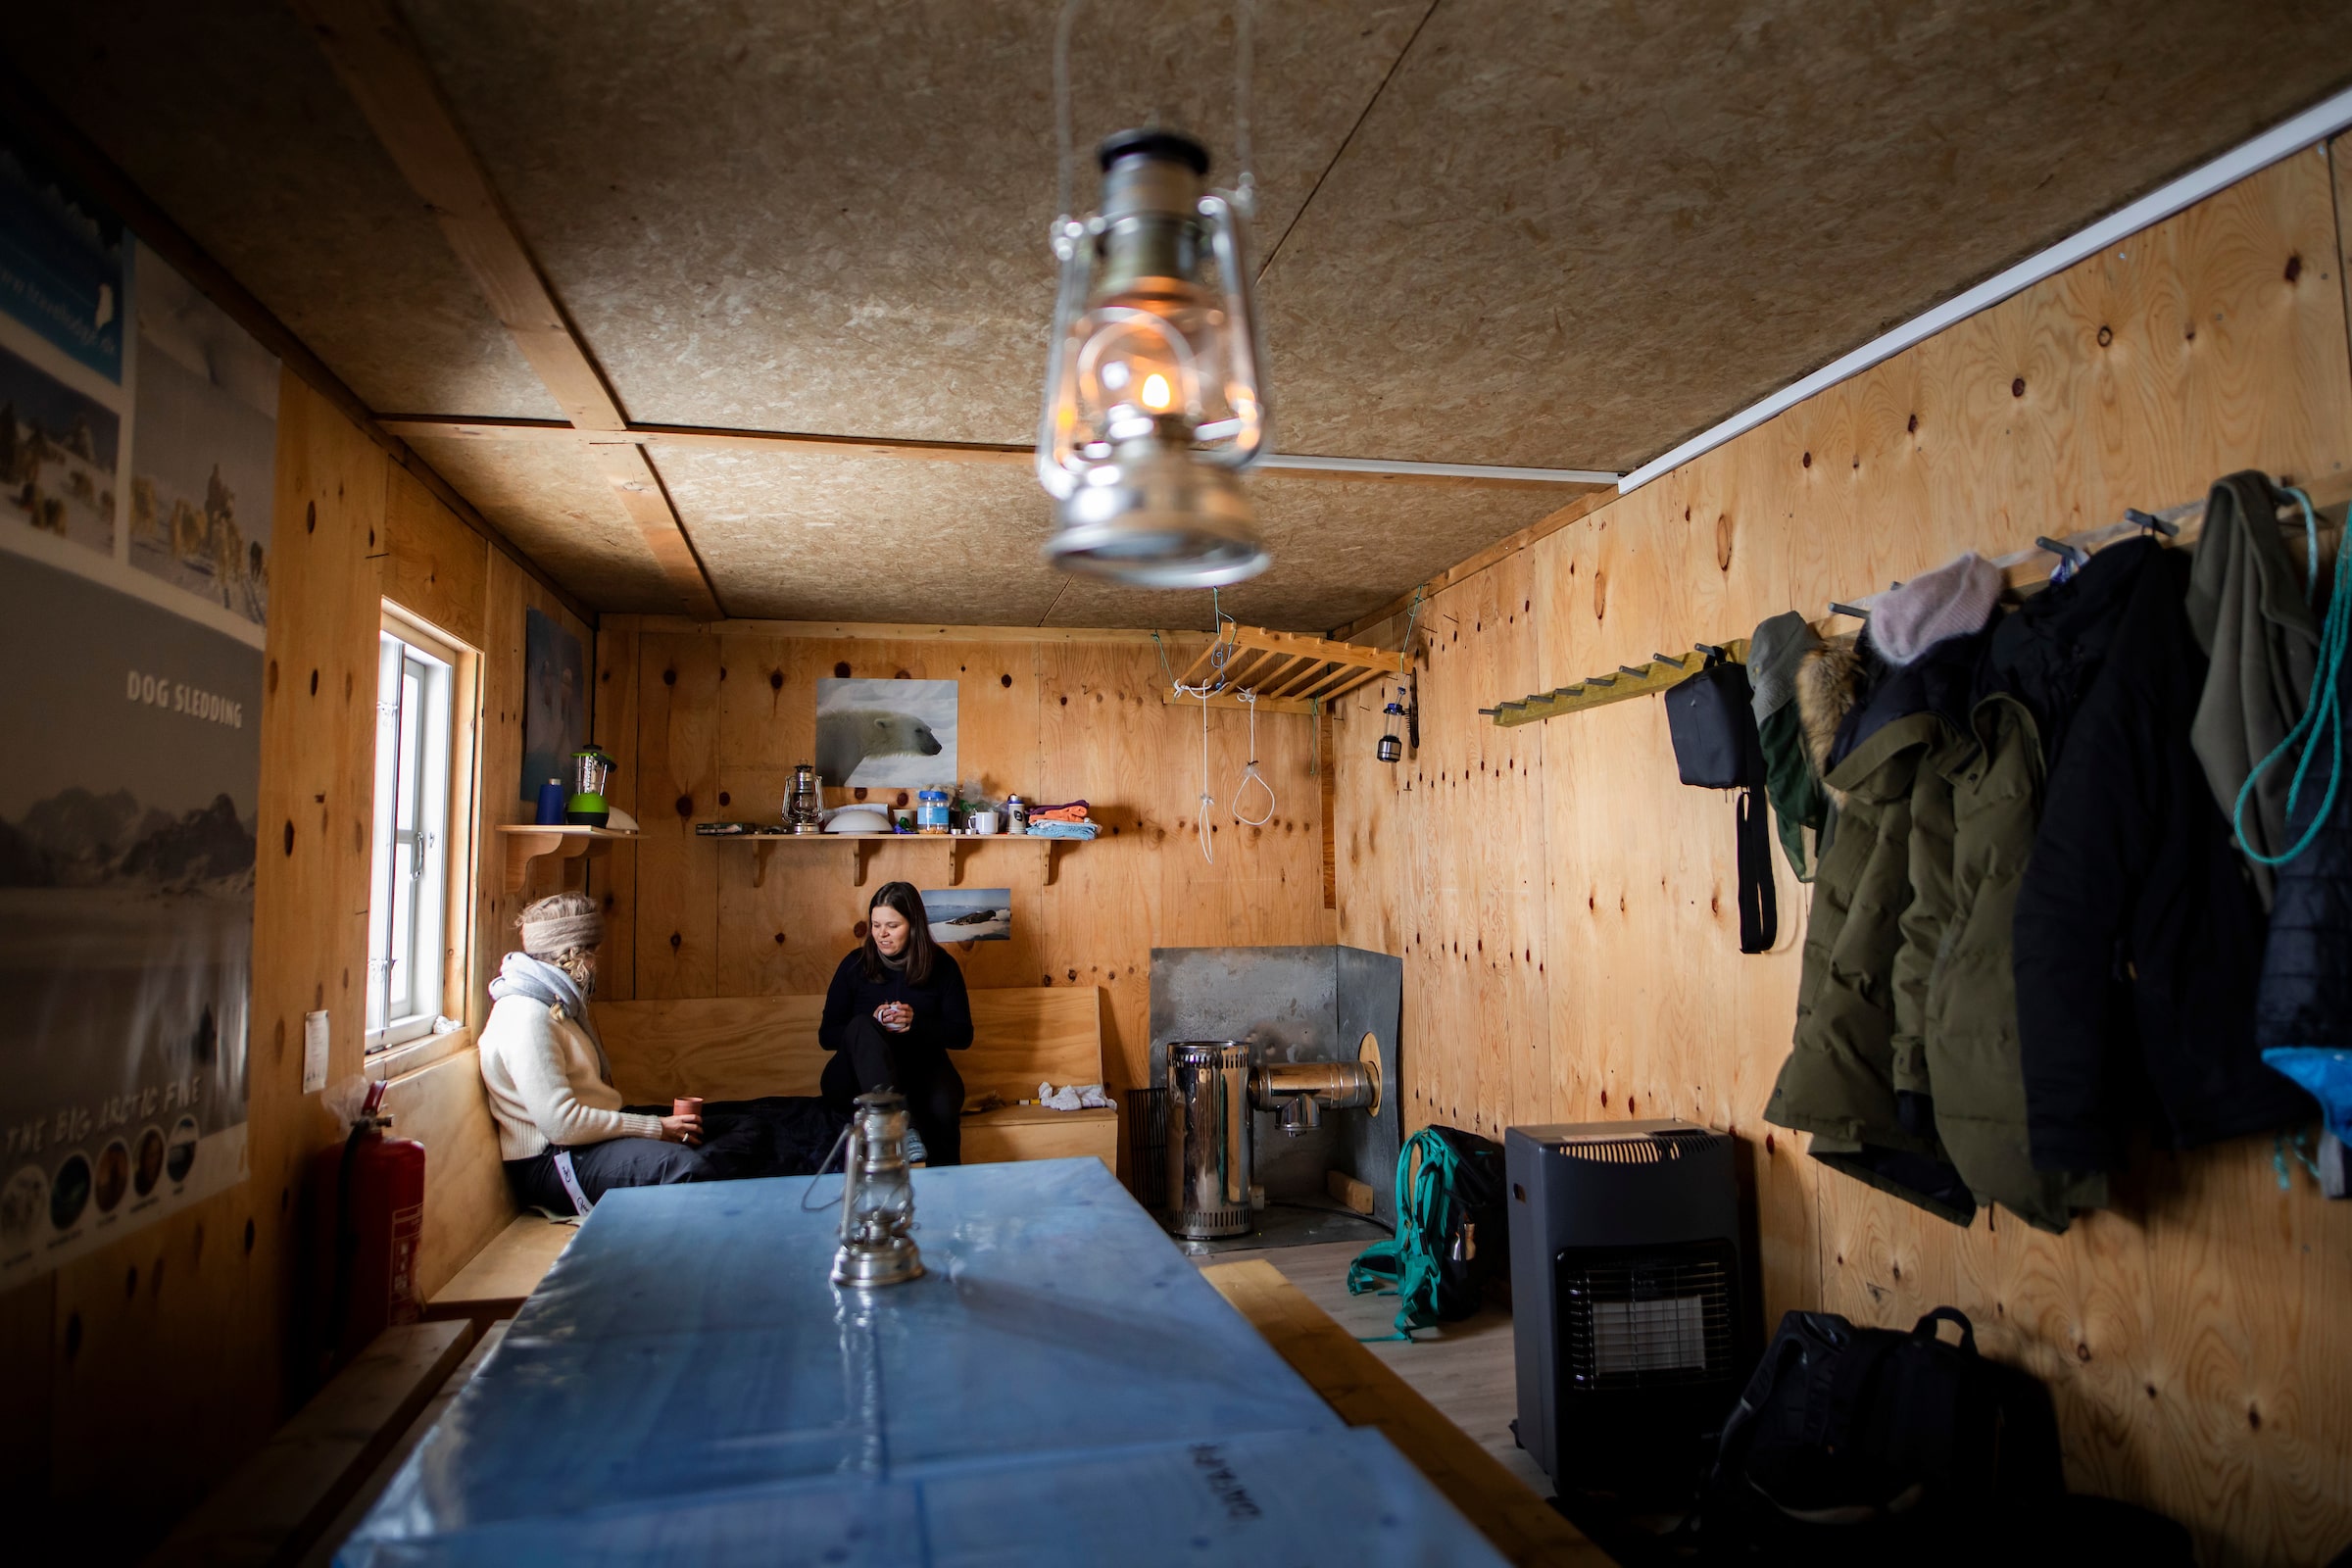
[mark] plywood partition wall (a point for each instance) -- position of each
(1566, 910)
(709, 722)
(140, 1374)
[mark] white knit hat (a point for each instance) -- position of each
(551, 935)
(1952, 601)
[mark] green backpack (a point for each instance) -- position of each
(1450, 1231)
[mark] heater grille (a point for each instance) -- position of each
(1647, 1320)
(1646, 1148)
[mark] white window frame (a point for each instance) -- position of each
(417, 694)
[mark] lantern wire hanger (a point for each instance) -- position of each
(1154, 396)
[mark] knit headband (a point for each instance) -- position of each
(543, 939)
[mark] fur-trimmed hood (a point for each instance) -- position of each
(1829, 682)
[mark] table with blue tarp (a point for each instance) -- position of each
(1062, 1386)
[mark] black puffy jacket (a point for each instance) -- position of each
(2306, 992)
(2138, 936)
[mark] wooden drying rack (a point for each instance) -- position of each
(2023, 570)
(1285, 672)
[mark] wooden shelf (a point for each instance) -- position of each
(862, 846)
(529, 841)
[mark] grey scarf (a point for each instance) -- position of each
(522, 975)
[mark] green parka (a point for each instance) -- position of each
(1906, 1065)
(1975, 804)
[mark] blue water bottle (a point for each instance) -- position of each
(551, 804)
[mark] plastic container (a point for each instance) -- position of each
(931, 812)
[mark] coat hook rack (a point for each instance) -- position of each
(2022, 569)
(2025, 570)
(1597, 691)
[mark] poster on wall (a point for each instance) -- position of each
(207, 454)
(555, 708)
(59, 456)
(893, 733)
(968, 915)
(136, 478)
(126, 859)
(63, 261)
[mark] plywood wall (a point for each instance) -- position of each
(1566, 911)
(137, 1376)
(709, 722)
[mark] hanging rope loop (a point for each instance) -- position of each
(1251, 775)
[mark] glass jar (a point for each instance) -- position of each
(931, 812)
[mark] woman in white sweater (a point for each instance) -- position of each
(562, 1130)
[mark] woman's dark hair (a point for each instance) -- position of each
(920, 949)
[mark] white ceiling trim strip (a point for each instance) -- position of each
(2314, 125)
(1437, 471)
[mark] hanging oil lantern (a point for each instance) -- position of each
(1153, 403)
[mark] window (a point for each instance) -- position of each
(409, 894)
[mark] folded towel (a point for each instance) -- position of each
(1057, 829)
(1076, 1097)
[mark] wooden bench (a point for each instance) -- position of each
(276, 1504)
(742, 1048)
(481, 1254)
(1366, 1393)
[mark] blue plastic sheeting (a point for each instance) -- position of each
(1062, 1386)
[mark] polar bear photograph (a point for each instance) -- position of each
(893, 733)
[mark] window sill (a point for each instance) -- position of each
(397, 1062)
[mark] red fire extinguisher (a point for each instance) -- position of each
(373, 1189)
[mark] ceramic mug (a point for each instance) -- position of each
(981, 822)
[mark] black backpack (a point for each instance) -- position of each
(1855, 1445)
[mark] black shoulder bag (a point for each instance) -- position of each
(1716, 746)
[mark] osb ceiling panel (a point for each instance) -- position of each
(1575, 233)
(817, 537)
(798, 537)
(833, 218)
(549, 499)
(227, 115)
(1562, 234)
(1340, 547)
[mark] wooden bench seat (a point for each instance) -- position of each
(494, 1282)
(1366, 1392)
(481, 1256)
(743, 1048)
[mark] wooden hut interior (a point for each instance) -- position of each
(1728, 937)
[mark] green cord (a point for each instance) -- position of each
(2323, 708)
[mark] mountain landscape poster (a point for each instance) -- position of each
(126, 873)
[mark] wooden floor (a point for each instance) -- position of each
(1464, 1369)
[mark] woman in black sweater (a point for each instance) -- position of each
(895, 1008)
